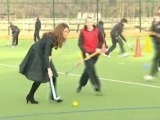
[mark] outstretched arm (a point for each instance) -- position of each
(123, 38)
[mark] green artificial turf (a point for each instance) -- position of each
(127, 96)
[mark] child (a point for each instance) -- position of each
(117, 37)
(90, 41)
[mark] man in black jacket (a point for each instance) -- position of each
(155, 28)
(117, 37)
(158, 11)
(37, 29)
(15, 34)
(100, 25)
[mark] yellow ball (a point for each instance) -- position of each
(75, 103)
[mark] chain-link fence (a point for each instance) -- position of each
(52, 12)
(77, 8)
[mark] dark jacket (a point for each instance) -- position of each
(155, 28)
(117, 30)
(34, 65)
(38, 25)
(14, 29)
(101, 28)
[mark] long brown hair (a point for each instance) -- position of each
(57, 35)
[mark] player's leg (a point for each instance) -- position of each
(35, 36)
(83, 80)
(114, 42)
(30, 96)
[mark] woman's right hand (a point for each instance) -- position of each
(50, 74)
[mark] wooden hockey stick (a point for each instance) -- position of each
(149, 32)
(79, 63)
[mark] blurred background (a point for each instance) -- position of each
(23, 13)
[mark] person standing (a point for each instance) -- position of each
(156, 42)
(100, 25)
(117, 37)
(37, 65)
(37, 29)
(15, 34)
(90, 41)
(158, 11)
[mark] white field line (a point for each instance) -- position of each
(105, 79)
(5, 65)
(119, 81)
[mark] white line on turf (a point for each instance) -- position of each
(5, 65)
(118, 81)
(105, 79)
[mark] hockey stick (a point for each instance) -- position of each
(129, 46)
(78, 63)
(53, 90)
(9, 40)
(149, 32)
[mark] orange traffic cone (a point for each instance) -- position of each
(138, 48)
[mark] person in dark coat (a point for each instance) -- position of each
(15, 34)
(117, 37)
(158, 12)
(100, 25)
(37, 65)
(155, 27)
(90, 41)
(37, 29)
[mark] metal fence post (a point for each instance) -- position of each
(8, 12)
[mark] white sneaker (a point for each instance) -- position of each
(159, 69)
(107, 55)
(148, 77)
(124, 55)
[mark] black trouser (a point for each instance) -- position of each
(36, 35)
(156, 59)
(115, 39)
(15, 38)
(158, 62)
(33, 89)
(90, 72)
(36, 85)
